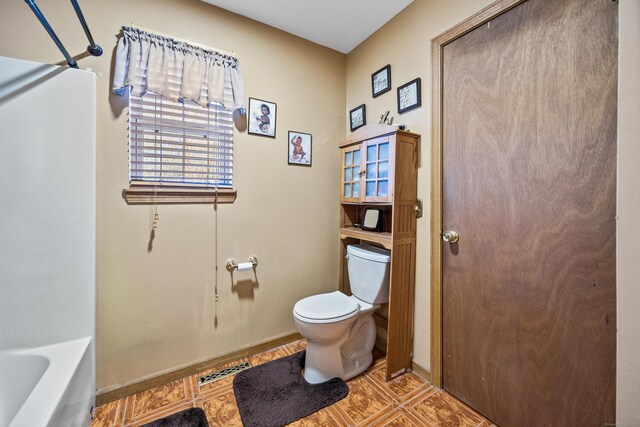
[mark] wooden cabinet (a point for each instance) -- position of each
(379, 169)
(367, 171)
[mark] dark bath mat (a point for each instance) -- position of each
(276, 393)
(192, 417)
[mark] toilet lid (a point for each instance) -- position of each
(325, 308)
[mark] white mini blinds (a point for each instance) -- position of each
(179, 143)
(181, 99)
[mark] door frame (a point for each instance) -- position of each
(437, 45)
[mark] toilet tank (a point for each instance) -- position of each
(368, 269)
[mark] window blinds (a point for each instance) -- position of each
(177, 143)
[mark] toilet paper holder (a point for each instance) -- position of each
(232, 264)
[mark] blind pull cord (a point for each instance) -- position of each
(156, 215)
(215, 224)
(215, 227)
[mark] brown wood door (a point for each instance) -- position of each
(529, 182)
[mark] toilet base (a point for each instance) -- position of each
(323, 368)
(356, 367)
(345, 357)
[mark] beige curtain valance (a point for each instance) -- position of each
(176, 70)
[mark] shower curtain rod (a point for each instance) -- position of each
(93, 48)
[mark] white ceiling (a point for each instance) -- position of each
(338, 24)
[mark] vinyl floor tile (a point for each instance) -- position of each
(110, 414)
(269, 355)
(221, 408)
(160, 398)
(398, 418)
(402, 388)
(326, 417)
(407, 400)
(364, 403)
(165, 412)
(297, 346)
(439, 408)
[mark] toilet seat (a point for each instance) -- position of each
(326, 308)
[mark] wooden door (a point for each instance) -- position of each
(529, 183)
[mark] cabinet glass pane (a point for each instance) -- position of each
(347, 158)
(356, 172)
(371, 170)
(347, 190)
(371, 153)
(347, 175)
(383, 187)
(371, 188)
(356, 157)
(384, 151)
(383, 169)
(356, 189)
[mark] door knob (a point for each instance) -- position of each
(451, 236)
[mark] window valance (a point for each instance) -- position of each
(176, 70)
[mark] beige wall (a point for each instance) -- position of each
(404, 43)
(628, 233)
(156, 308)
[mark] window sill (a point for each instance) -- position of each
(148, 195)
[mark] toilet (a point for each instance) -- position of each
(340, 329)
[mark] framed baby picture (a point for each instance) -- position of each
(381, 81)
(358, 117)
(409, 96)
(299, 148)
(262, 117)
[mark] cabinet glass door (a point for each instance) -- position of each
(377, 170)
(350, 174)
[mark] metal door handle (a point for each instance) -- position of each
(451, 236)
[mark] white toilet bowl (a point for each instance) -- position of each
(340, 333)
(339, 329)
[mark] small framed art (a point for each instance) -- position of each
(358, 117)
(299, 149)
(409, 96)
(262, 117)
(381, 81)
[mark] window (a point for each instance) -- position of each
(179, 152)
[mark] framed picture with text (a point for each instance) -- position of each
(381, 81)
(409, 96)
(358, 117)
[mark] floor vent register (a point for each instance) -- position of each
(223, 373)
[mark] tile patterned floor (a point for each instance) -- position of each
(406, 401)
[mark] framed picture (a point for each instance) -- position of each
(381, 81)
(409, 96)
(358, 117)
(299, 148)
(262, 117)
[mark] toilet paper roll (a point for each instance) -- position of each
(245, 266)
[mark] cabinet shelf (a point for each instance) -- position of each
(371, 236)
(371, 204)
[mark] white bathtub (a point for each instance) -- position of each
(47, 386)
